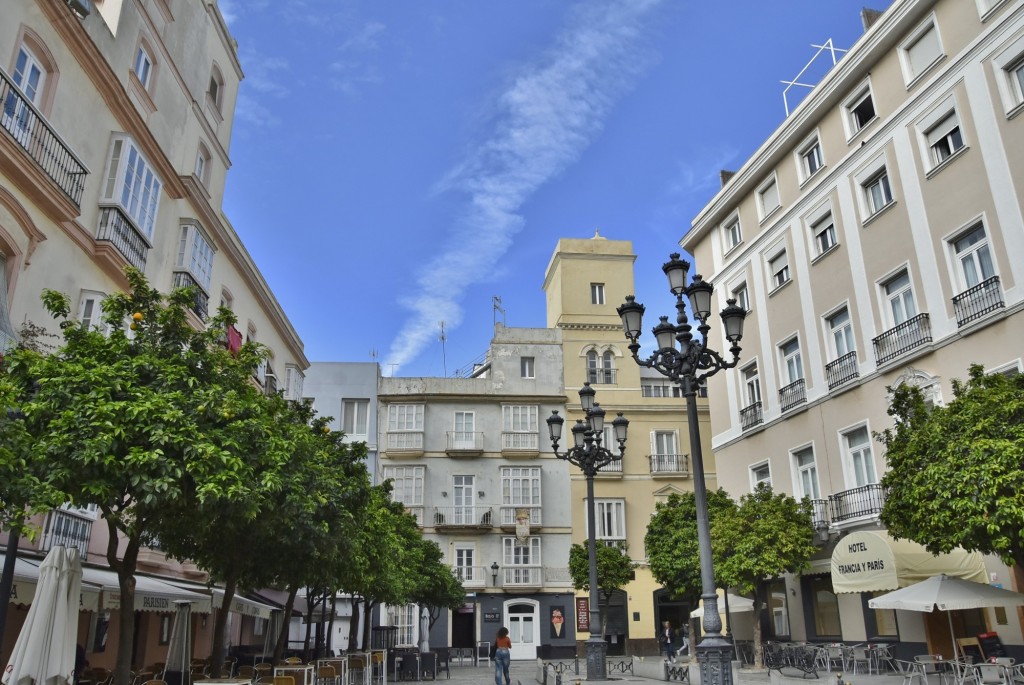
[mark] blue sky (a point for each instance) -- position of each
(397, 163)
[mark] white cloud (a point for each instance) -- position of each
(545, 119)
(353, 69)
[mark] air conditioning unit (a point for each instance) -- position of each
(82, 8)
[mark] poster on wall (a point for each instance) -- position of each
(557, 622)
(582, 614)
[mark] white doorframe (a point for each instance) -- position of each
(523, 627)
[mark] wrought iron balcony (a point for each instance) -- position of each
(201, 303)
(866, 500)
(522, 576)
(65, 528)
(670, 464)
(463, 517)
(118, 230)
(978, 301)
(34, 134)
(819, 513)
(842, 370)
(464, 443)
(601, 376)
(903, 338)
(793, 394)
(751, 416)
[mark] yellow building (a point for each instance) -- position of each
(585, 281)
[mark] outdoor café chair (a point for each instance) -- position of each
(247, 671)
(444, 657)
(284, 680)
(326, 675)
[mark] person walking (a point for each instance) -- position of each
(502, 656)
(665, 639)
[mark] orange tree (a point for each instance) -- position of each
(139, 419)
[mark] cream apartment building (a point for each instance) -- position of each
(876, 238)
(115, 127)
(586, 279)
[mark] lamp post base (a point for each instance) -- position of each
(715, 656)
(597, 665)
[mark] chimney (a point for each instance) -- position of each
(868, 17)
(725, 176)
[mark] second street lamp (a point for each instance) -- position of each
(689, 361)
(587, 453)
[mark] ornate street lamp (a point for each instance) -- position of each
(588, 454)
(689, 361)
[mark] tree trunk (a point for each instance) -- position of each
(220, 628)
(311, 604)
(125, 569)
(758, 645)
(330, 625)
(286, 620)
(353, 625)
(366, 624)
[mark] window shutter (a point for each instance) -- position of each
(923, 51)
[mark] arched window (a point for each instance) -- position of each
(215, 91)
(608, 370)
(203, 164)
(601, 367)
(34, 71)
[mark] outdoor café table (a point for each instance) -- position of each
(304, 674)
(931, 664)
(340, 665)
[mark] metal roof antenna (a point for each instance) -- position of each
(826, 46)
(443, 338)
(496, 307)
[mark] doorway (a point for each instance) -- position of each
(463, 628)
(523, 617)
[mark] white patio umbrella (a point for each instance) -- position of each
(424, 630)
(948, 594)
(45, 651)
(737, 605)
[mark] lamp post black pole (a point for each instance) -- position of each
(588, 454)
(688, 361)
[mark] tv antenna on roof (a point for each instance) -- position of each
(443, 337)
(496, 305)
(832, 50)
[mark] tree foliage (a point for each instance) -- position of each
(614, 571)
(955, 471)
(136, 421)
(671, 542)
(436, 586)
(764, 537)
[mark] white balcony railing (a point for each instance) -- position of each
(510, 514)
(405, 441)
(527, 442)
(522, 576)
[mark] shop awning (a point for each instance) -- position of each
(865, 561)
(243, 605)
(26, 576)
(151, 594)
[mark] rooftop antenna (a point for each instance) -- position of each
(832, 50)
(443, 337)
(496, 305)
(392, 365)
(373, 353)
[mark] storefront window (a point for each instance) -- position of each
(885, 620)
(778, 609)
(824, 606)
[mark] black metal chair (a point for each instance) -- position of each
(410, 668)
(428, 665)
(444, 657)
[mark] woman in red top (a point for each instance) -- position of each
(502, 656)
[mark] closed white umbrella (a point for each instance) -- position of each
(179, 650)
(45, 651)
(948, 594)
(424, 630)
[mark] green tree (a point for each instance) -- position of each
(671, 542)
(955, 470)
(134, 423)
(766, 536)
(614, 571)
(436, 587)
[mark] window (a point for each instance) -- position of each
(165, 629)
(465, 561)
(354, 418)
(29, 75)
(752, 384)
(293, 379)
(842, 332)
(792, 361)
(131, 184)
(1018, 77)
(463, 435)
(824, 606)
(1009, 72)
(519, 418)
(778, 266)
(405, 426)
(215, 91)
(610, 516)
(659, 388)
(944, 139)
(143, 67)
(520, 488)
(860, 462)
(974, 257)
(405, 619)
(807, 473)
(406, 484)
(877, 192)
(202, 169)
(526, 367)
(760, 473)
(810, 159)
(600, 368)
(664, 443)
(824, 232)
(901, 298)
(90, 310)
(739, 293)
(520, 554)
(732, 233)
(227, 300)
(768, 198)
(860, 111)
(920, 51)
(195, 254)
(597, 293)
